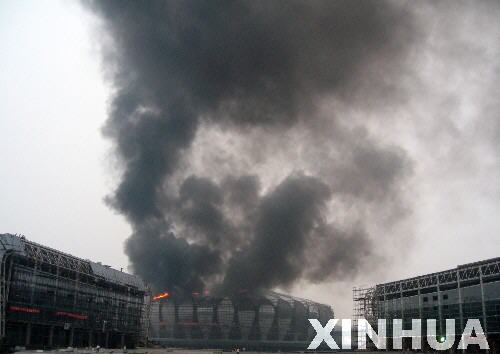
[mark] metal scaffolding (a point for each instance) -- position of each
(469, 291)
(364, 305)
(51, 299)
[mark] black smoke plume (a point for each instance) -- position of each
(203, 210)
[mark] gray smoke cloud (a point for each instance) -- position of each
(235, 173)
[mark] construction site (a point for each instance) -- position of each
(265, 321)
(467, 291)
(50, 299)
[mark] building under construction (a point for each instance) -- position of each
(266, 321)
(465, 292)
(52, 299)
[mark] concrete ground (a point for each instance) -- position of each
(160, 351)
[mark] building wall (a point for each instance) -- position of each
(445, 304)
(234, 321)
(49, 302)
(469, 291)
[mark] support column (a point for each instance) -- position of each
(90, 338)
(420, 302)
(440, 310)
(28, 335)
(460, 302)
(34, 274)
(386, 316)
(401, 302)
(71, 336)
(122, 340)
(483, 304)
(401, 305)
(51, 336)
(386, 311)
(106, 343)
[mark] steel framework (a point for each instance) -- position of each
(265, 320)
(468, 291)
(364, 305)
(468, 272)
(49, 298)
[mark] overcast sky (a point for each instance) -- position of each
(57, 167)
(54, 168)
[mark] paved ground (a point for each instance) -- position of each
(155, 351)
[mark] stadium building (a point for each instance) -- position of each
(52, 299)
(259, 322)
(469, 291)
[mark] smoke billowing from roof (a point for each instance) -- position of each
(240, 170)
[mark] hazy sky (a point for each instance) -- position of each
(56, 166)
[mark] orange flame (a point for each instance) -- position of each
(161, 296)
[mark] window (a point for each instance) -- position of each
(445, 297)
(425, 299)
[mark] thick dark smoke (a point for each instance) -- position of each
(286, 219)
(183, 69)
